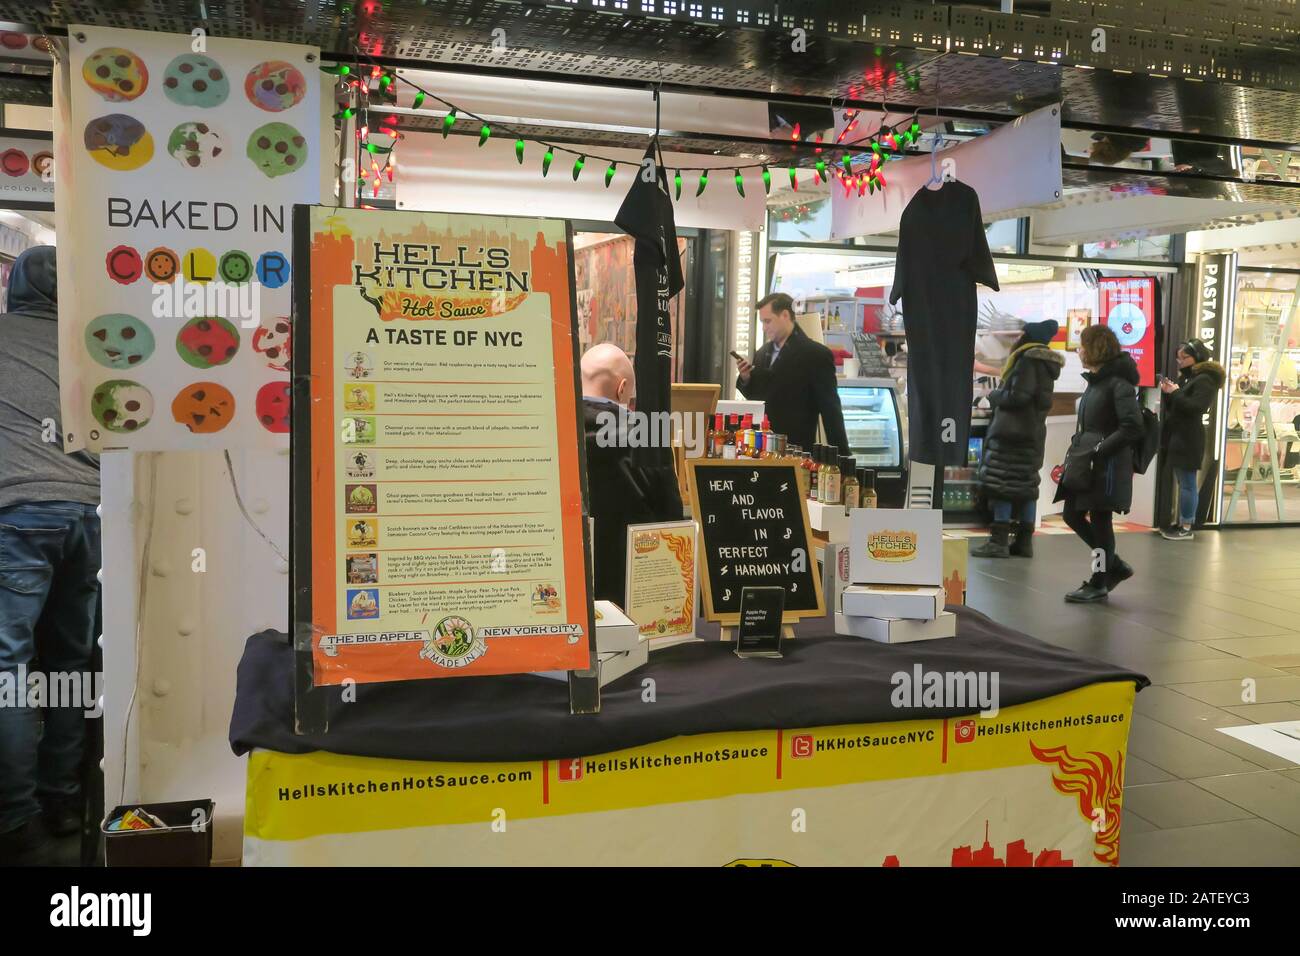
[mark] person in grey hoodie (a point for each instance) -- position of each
(49, 565)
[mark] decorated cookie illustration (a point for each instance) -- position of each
(118, 141)
(121, 405)
(236, 266)
(194, 144)
(273, 406)
(119, 341)
(204, 407)
(161, 264)
(14, 162)
(193, 79)
(43, 163)
(273, 339)
(274, 86)
(115, 74)
(206, 342)
(277, 148)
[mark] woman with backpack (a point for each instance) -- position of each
(1186, 402)
(1013, 446)
(1097, 480)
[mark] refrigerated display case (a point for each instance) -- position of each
(873, 421)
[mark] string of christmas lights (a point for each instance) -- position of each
(884, 144)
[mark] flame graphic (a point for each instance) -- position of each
(1097, 782)
(683, 548)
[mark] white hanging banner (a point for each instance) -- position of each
(1016, 165)
(187, 155)
(457, 175)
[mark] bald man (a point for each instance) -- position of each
(620, 491)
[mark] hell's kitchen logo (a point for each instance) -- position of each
(894, 546)
(643, 542)
(423, 282)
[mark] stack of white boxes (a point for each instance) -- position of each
(620, 647)
(896, 593)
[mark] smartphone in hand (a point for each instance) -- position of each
(737, 356)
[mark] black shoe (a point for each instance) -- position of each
(1022, 543)
(26, 846)
(1087, 593)
(1119, 574)
(996, 545)
(62, 814)
(1177, 533)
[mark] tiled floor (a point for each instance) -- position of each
(1197, 618)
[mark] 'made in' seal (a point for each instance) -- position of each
(454, 643)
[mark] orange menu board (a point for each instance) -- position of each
(437, 451)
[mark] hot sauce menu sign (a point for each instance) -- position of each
(436, 454)
(1128, 307)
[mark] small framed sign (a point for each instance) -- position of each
(760, 629)
(661, 587)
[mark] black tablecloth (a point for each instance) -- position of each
(699, 688)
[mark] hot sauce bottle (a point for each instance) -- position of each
(831, 477)
(849, 484)
(814, 466)
(867, 489)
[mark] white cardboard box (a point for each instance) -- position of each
(835, 573)
(896, 546)
(615, 631)
(896, 631)
(829, 519)
(893, 601)
(613, 664)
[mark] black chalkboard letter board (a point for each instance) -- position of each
(755, 533)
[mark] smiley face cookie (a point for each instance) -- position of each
(118, 141)
(194, 145)
(193, 79)
(119, 341)
(121, 405)
(204, 407)
(275, 86)
(207, 342)
(277, 149)
(115, 74)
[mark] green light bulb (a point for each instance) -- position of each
(704, 181)
(767, 182)
(609, 175)
(519, 151)
(448, 122)
(677, 181)
(484, 132)
(577, 167)
(546, 160)
(740, 184)
(821, 170)
(419, 99)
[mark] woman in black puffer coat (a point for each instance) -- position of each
(1183, 434)
(1110, 415)
(1013, 446)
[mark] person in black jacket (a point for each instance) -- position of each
(1110, 419)
(795, 377)
(1013, 446)
(1186, 402)
(620, 492)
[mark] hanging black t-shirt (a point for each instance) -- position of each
(647, 215)
(942, 253)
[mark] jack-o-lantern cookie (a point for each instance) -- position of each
(204, 407)
(118, 142)
(273, 406)
(115, 74)
(206, 342)
(119, 341)
(193, 79)
(121, 406)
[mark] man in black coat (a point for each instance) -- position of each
(1186, 402)
(795, 378)
(619, 491)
